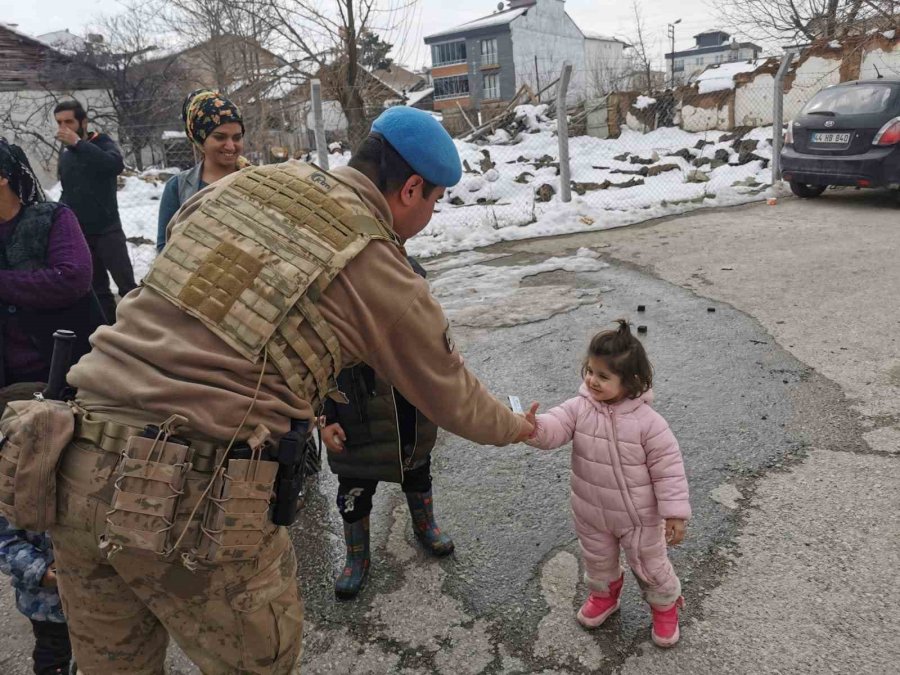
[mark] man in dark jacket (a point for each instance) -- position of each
(88, 166)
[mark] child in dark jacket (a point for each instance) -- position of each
(27, 557)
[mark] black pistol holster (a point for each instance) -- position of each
(291, 455)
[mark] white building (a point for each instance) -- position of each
(712, 47)
(607, 64)
(488, 59)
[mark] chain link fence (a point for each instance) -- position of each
(632, 155)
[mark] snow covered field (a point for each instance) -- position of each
(617, 182)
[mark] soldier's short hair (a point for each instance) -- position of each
(382, 164)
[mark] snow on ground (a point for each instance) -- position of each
(719, 78)
(644, 102)
(496, 199)
(474, 292)
(508, 209)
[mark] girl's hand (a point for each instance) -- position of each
(531, 415)
(333, 437)
(674, 531)
(49, 578)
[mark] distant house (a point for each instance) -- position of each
(34, 77)
(607, 64)
(712, 47)
(487, 60)
(291, 121)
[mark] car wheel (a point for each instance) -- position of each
(807, 191)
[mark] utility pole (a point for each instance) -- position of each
(321, 144)
(672, 42)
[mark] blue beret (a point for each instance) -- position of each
(422, 142)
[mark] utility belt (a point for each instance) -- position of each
(251, 488)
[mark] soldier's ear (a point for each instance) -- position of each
(411, 187)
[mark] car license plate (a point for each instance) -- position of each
(830, 137)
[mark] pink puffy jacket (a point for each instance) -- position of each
(627, 469)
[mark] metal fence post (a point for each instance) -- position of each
(321, 145)
(562, 132)
(778, 116)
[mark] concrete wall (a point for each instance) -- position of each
(547, 32)
(751, 102)
(698, 118)
(26, 119)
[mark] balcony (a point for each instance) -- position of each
(489, 61)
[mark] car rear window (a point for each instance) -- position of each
(855, 100)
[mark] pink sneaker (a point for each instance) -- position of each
(597, 609)
(665, 624)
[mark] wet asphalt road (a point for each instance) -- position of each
(742, 408)
(731, 396)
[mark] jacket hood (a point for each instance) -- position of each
(626, 405)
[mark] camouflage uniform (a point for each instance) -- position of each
(272, 281)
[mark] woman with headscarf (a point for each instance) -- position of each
(45, 285)
(45, 274)
(214, 125)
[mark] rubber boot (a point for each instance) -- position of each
(356, 568)
(665, 631)
(426, 530)
(598, 608)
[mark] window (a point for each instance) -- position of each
(859, 99)
(491, 87)
(679, 65)
(698, 61)
(451, 87)
(489, 52)
(448, 53)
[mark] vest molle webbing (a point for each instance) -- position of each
(251, 263)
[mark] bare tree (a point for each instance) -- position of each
(325, 40)
(228, 46)
(808, 20)
(642, 48)
(141, 89)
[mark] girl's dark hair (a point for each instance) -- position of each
(74, 106)
(383, 165)
(624, 355)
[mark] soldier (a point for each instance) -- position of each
(273, 280)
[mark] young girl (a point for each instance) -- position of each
(629, 488)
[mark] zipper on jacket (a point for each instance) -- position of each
(399, 435)
(619, 473)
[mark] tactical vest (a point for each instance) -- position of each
(26, 246)
(252, 262)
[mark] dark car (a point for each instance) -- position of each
(848, 134)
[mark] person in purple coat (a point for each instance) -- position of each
(45, 276)
(45, 285)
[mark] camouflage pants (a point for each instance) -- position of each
(229, 618)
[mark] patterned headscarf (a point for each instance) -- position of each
(204, 110)
(15, 167)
